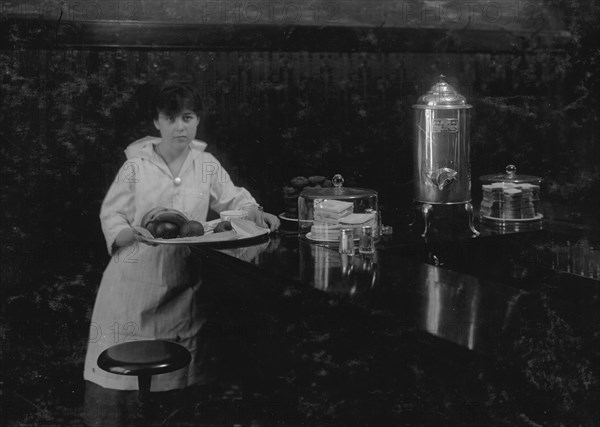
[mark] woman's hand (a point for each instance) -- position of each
(141, 238)
(128, 236)
(271, 221)
(262, 219)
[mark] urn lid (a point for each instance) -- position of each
(442, 96)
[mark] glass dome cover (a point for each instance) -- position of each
(510, 199)
(324, 212)
(510, 176)
(337, 191)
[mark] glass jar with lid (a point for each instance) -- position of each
(510, 197)
(324, 212)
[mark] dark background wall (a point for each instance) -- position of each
(68, 112)
(68, 115)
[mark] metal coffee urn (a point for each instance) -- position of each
(442, 170)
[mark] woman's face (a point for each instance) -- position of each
(178, 130)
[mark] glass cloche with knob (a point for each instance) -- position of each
(324, 212)
(510, 197)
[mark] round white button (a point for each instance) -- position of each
(177, 181)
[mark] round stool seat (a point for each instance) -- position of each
(143, 358)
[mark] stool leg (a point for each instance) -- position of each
(144, 382)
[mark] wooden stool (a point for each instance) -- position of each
(144, 359)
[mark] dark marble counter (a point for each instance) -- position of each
(452, 330)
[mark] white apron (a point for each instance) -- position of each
(152, 292)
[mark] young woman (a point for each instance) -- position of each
(150, 292)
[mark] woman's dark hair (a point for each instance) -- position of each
(175, 97)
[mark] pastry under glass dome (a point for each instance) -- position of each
(510, 198)
(323, 212)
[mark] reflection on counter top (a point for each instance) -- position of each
(461, 308)
(472, 331)
(331, 271)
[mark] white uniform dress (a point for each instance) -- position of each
(150, 292)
